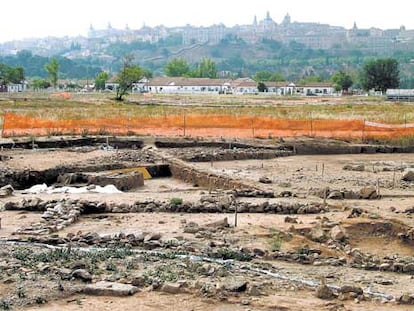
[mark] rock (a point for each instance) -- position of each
(368, 193)
(265, 180)
(356, 212)
(355, 168)
(291, 220)
(335, 195)
(218, 224)
(409, 268)
(104, 288)
(191, 227)
(9, 280)
(254, 291)
(82, 274)
(317, 234)
(408, 176)
(171, 288)
(6, 191)
(350, 195)
(351, 289)
(234, 285)
(152, 237)
(406, 299)
(324, 292)
(78, 265)
(138, 281)
(338, 234)
(123, 182)
(286, 194)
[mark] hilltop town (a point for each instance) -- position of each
(311, 35)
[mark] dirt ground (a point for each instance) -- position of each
(298, 174)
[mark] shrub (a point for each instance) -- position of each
(176, 201)
(276, 243)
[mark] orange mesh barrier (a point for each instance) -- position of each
(63, 95)
(203, 125)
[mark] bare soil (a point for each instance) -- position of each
(297, 174)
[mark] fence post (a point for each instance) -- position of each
(311, 123)
(4, 121)
(363, 132)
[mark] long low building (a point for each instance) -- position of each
(400, 94)
(180, 85)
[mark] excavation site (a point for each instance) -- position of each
(143, 223)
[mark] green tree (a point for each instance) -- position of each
(11, 74)
(40, 84)
(52, 69)
(261, 87)
(342, 81)
(3, 74)
(178, 67)
(380, 74)
(266, 75)
(205, 69)
(263, 75)
(100, 80)
(128, 75)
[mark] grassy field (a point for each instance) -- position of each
(86, 106)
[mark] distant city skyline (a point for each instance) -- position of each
(42, 18)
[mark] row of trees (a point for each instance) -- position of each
(379, 75)
(179, 67)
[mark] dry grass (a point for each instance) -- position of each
(89, 106)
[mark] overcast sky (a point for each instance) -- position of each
(39, 18)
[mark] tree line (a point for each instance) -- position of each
(377, 74)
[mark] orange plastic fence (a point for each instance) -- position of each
(203, 125)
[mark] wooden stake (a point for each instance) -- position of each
(393, 179)
(235, 215)
(378, 188)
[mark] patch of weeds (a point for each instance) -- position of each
(102, 132)
(303, 251)
(5, 305)
(40, 300)
(276, 243)
(228, 253)
(84, 132)
(130, 265)
(111, 267)
(22, 253)
(165, 273)
(176, 201)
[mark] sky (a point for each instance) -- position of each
(40, 18)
